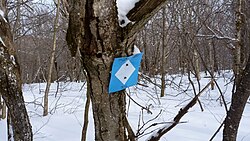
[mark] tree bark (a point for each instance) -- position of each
(94, 31)
(239, 100)
(239, 47)
(242, 79)
(10, 83)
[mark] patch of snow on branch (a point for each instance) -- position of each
(124, 6)
(136, 50)
(156, 132)
(1, 41)
(2, 15)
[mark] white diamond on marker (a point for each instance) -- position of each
(125, 72)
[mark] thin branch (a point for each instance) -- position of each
(145, 108)
(217, 131)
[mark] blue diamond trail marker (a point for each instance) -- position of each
(124, 72)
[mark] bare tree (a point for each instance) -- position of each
(94, 30)
(240, 97)
(52, 62)
(163, 56)
(10, 83)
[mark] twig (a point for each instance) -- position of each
(145, 108)
(138, 131)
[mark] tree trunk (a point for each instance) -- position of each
(108, 110)
(197, 65)
(94, 30)
(163, 68)
(239, 100)
(86, 118)
(211, 64)
(242, 78)
(10, 83)
(52, 61)
(240, 23)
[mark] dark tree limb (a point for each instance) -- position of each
(143, 11)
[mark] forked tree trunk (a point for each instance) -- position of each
(94, 30)
(10, 83)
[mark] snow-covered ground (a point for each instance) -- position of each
(64, 123)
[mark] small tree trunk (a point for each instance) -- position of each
(211, 60)
(163, 69)
(52, 60)
(240, 23)
(86, 118)
(197, 65)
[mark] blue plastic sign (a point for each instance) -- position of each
(124, 72)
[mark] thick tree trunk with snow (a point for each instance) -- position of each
(94, 31)
(10, 84)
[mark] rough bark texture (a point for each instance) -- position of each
(240, 97)
(10, 84)
(240, 44)
(239, 100)
(94, 31)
